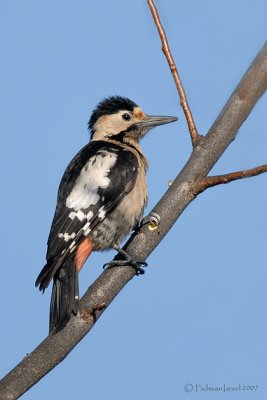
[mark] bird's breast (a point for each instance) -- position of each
(125, 217)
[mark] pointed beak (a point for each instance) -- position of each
(150, 121)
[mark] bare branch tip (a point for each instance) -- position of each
(195, 137)
(209, 181)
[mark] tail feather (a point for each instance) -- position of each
(65, 296)
(47, 273)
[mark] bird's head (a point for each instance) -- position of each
(119, 118)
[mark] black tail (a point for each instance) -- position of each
(65, 296)
(65, 292)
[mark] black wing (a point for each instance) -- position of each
(94, 183)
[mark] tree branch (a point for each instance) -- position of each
(209, 181)
(55, 348)
(195, 137)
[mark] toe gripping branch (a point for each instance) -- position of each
(153, 220)
(127, 261)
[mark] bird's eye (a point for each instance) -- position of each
(126, 117)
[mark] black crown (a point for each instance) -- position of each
(110, 105)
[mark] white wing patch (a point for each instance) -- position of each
(101, 213)
(67, 236)
(93, 176)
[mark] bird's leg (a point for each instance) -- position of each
(128, 260)
(152, 219)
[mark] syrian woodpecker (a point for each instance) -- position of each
(101, 198)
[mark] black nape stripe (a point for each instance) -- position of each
(120, 136)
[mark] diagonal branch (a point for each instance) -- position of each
(209, 181)
(55, 348)
(195, 137)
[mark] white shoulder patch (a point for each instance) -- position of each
(93, 176)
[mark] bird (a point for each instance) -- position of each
(101, 199)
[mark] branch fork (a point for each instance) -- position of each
(199, 185)
(202, 184)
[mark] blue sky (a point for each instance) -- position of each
(198, 316)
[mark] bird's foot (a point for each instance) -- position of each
(137, 265)
(128, 261)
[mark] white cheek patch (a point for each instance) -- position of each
(93, 176)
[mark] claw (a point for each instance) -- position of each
(137, 265)
(128, 260)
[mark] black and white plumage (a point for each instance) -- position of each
(101, 198)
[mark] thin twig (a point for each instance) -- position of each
(195, 137)
(204, 183)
